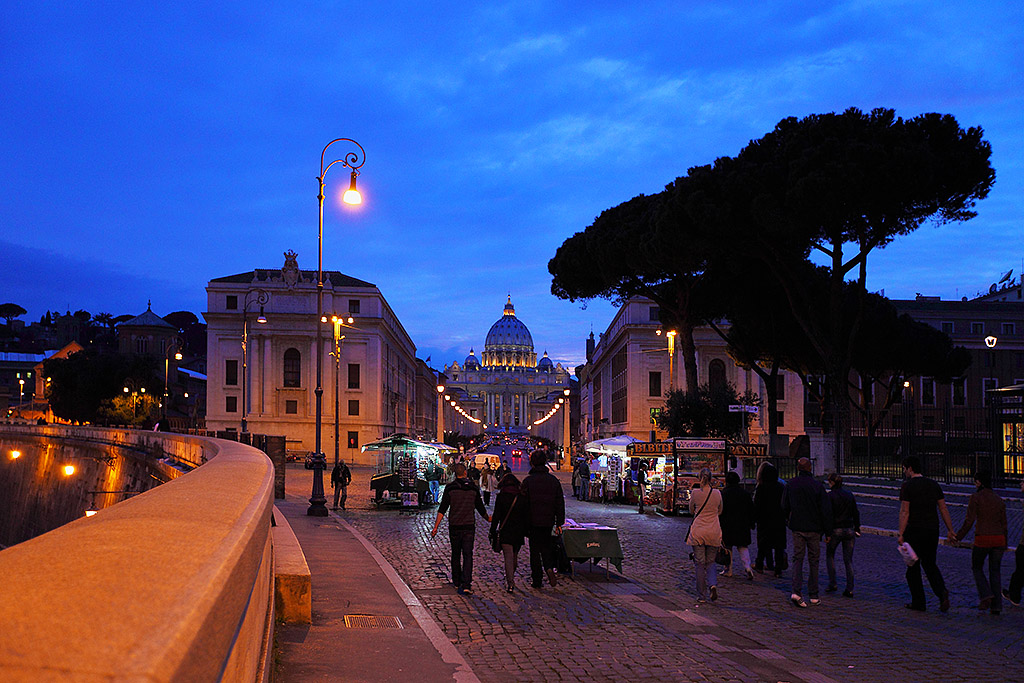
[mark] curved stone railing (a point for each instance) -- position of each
(173, 584)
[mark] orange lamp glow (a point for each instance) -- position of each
(69, 470)
(352, 195)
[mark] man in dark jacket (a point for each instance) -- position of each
(810, 516)
(545, 504)
(341, 477)
(845, 530)
(463, 497)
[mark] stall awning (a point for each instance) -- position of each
(615, 445)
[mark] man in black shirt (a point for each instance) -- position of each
(463, 497)
(341, 477)
(921, 502)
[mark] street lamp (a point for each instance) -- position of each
(338, 336)
(130, 386)
(440, 413)
(354, 161)
(175, 346)
(566, 444)
(21, 395)
(261, 298)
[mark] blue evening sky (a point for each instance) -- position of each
(150, 147)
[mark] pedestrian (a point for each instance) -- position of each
(584, 479)
(737, 519)
(474, 473)
(641, 482)
(988, 509)
(576, 480)
(462, 497)
(705, 534)
(1017, 578)
(501, 471)
(433, 476)
(486, 482)
(341, 477)
(545, 505)
(509, 524)
(845, 530)
(771, 520)
(921, 503)
(810, 517)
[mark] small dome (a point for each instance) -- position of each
(545, 364)
(471, 361)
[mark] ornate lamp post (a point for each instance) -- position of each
(261, 298)
(338, 336)
(175, 347)
(354, 161)
(566, 443)
(440, 413)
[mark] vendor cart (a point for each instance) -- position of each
(400, 477)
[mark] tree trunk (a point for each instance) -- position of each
(689, 353)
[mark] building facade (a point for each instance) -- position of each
(507, 389)
(372, 379)
(629, 371)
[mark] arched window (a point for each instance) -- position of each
(716, 374)
(292, 368)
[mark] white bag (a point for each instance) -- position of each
(907, 553)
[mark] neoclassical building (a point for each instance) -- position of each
(373, 381)
(507, 389)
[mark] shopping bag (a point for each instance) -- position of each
(723, 556)
(907, 553)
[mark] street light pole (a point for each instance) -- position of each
(566, 443)
(440, 413)
(354, 161)
(174, 346)
(261, 298)
(338, 336)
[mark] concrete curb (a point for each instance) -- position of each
(293, 595)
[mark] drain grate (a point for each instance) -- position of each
(370, 621)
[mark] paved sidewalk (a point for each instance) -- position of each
(349, 577)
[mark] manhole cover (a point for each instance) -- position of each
(370, 621)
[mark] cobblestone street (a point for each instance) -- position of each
(645, 624)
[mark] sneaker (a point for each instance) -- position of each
(1006, 594)
(831, 589)
(797, 600)
(847, 593)
(814, 602)
(944, 603)
(460, 591)
(714, 592)
(466, 591)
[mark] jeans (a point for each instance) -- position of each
(846, 537)
(705, 568)
(340, 491)
(435, 491)
(809, 543)
(542, 553)
(1017, 578)
(462, 556)
(926, 545)
(511, 554)
(990, 587)
(487, 497)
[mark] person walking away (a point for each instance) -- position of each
(486, 482)
(921, 503)
(341, 477)
(433, 475)
(576, 480)
(641, 482)
(462, 497)
(545, 504)
(988, 509)
(509, 524)
(705, 534)
(845, 530)
(474, 473)
(1017, 578)
(737, 519)
(810, 517)
(771, 521)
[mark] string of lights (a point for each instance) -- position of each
(550, 413)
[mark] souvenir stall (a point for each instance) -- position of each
(607, 467)
(657, 457)
(401, 470)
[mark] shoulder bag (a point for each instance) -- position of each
(496, 536)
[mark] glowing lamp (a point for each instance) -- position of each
(15, 455)
(990, 341)
(90, 513)
(177, 355)
(352, 195)
(126, 390)
(69, 470)
(906, 384)
(261, 319)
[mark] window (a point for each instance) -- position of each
(231, 372)
(655, 413)
(291, 407)
(353, 439)
(231, 404)
(142, 345)
(596, 398)
(232, 302)
(620, 395)
(654, 384)
(716, 374)
(1009, 328)
(946, 326)
(780, 391)
(353, 305)
(959, 391)
(977, 328)
(292, 368)
(927, 391)
(353, 375)
(655, 314)
(353, 407)
(780, 416)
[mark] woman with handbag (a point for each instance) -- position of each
(508, 526)
(705, 534)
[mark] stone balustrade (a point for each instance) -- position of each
(174, 584)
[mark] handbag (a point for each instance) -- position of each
(723, 556)
(687, 539)
(495, 535)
